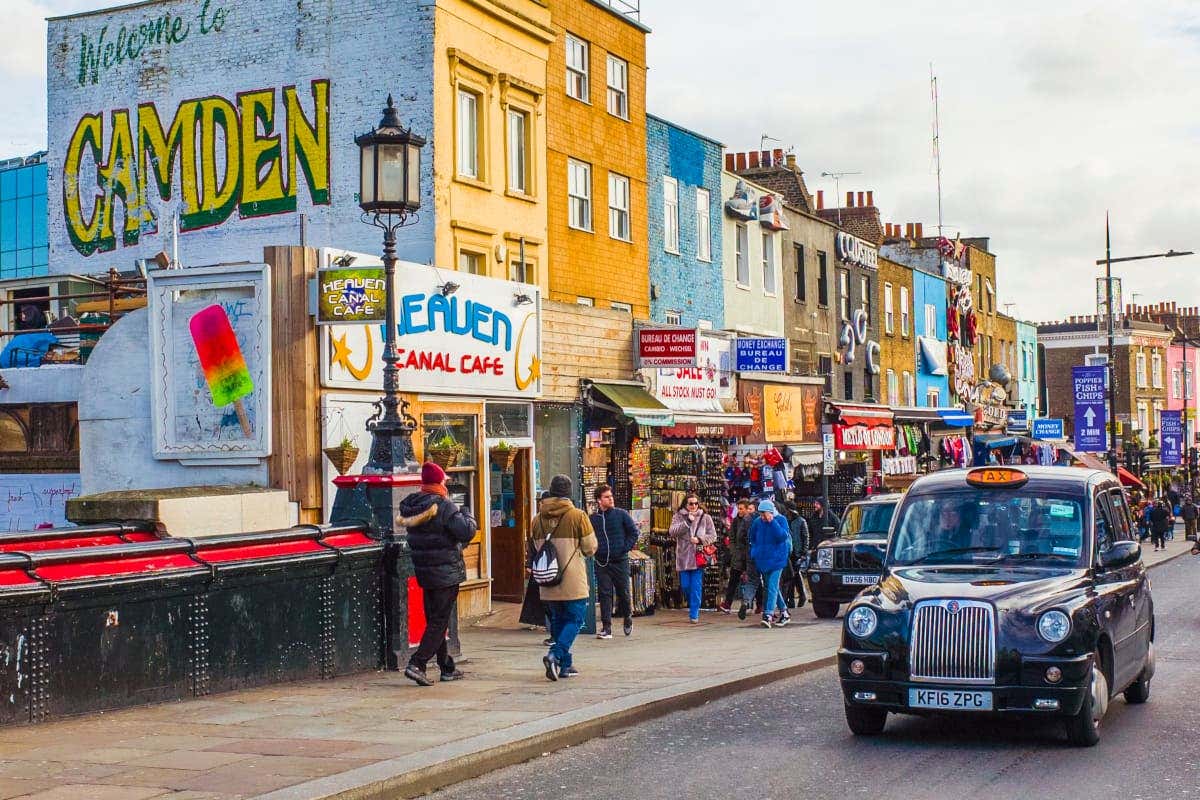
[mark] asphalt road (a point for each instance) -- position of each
(789, 740)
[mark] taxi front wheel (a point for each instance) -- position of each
(866, 721)
(1083, 729)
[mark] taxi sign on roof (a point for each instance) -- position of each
(997, 477)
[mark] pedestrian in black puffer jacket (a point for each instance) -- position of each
(437, 532)
(616, 535)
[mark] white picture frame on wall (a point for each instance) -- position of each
(187, 427)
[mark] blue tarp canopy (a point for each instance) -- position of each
(956, 418)
(993, 441)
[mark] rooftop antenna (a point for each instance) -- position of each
(762, 141)
(937, 145)
(837, 188)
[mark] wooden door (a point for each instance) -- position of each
(508, 541)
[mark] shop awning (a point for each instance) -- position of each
(915, 414)
(956, 418)
(1127, 478)
(934, 352)
(862, 414)
(689, 424)
(636, 403)
(1086, 459)
(994, 440)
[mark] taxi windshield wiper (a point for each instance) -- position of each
(956, 551)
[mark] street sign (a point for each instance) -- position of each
(1018, 420)
(1048, 428)
(1090, 414)
(1170, 435)
(828, 454)
(761, 355)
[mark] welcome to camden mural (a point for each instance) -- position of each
(164, 128)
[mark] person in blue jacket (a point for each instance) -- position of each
(770, 546)
(616, 536)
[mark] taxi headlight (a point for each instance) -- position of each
(862, 621)
(825, 558)
(1054, 626)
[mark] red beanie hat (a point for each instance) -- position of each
(432, 473)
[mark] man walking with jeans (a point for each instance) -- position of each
(570, 531)
(616, 535)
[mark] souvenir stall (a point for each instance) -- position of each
(863, 433)
(950, 440)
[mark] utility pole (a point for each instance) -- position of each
(837, 189)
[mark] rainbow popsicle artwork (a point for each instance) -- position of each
(222, 361)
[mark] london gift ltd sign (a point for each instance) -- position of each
(483, 340)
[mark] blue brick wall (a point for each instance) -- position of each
(929, 289)
(683, 282)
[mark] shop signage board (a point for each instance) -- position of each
(484, 340)
(1018, 420)
(667, 347)
(783, 413)
(956, 274)
(861, 437)
(852, 250)
(351, 295)
(1170, 435)
(1048, 428)
(761, 355)
(1090, 413)
(689, 389)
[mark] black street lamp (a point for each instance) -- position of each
(390, 196)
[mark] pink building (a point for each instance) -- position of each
(1183, 369)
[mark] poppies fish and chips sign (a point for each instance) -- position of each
(351, 294)
(484, 340)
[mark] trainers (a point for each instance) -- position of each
(548, 642)
(695, 621)
(454, 675)
(628, 626)
(724, 608)
(604, 634)
(551, 664)
(742, 611)
(784, 620)
(766, 622)
(417, 675)
(569, 672)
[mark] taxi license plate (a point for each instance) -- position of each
(950, 699)
(860, 580)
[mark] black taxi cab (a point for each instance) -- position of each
(1004, 590)
(839, 568)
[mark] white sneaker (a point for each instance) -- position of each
(604, 635)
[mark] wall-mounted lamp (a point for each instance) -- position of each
(344, 260)
(448, 288)
(521, 299)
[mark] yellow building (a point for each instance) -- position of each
(897, 352)
(596, 157)
(489, 160)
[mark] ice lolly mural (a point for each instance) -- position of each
(222, 361)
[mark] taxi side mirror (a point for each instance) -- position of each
(1121, 554)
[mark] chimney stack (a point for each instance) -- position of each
(753, 159)
(820, 199)
(920, 232)
(870, 199)
(741, 162)
(849, 199)
(791, 161)
(908, 230)
(729, 162)
(860, 199)
(777, 157)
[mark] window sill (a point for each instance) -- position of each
(586, 101)
(621, 239)
(618, 116)
(769, 294)
(515, 195)
(799, 301)
(744, 287)
(581, 230)
(467, 180)
(672, 252)
(702, 258)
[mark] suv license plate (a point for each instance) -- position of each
(951, 699)
(860, 580)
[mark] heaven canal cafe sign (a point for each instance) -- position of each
(483, 340)
(350, 294)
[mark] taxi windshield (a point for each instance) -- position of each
(867, 519)
(984, 526)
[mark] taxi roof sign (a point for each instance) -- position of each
(997, 477)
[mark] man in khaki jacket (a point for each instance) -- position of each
(571, 532)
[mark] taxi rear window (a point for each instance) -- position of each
(980, 526)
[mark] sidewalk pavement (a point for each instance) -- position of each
(378, 735)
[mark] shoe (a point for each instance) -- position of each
(784, 620)
(694, 621)
(569, 672)
(766, 622)
(604, 635)
(628, 626)
(551, 664)
(742, 611)
(455, 675)
(724, 608)
(417, 675)
(548, 642)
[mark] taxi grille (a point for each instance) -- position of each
(953, 646)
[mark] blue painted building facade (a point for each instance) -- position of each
(1027, 373)
(929, 321)
(685, 276)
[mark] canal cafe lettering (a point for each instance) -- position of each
(482, 340)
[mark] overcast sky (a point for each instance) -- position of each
(1051, 113)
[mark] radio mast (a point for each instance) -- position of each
(937, 148)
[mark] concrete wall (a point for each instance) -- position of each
(930, 289)
(749, 308)
(683, 282)
(116, 437)
(592, 264)
(241, 184)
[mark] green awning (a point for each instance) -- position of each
(636, 403)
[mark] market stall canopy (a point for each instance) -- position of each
(706, 423)
(633, 401)
(1086, 459)
(916, 414)
(956, 418)
(993, 441)
(864, 414)
(1127, 478)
